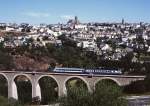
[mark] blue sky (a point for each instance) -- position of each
(54, 11)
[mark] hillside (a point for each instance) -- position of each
(40, 58)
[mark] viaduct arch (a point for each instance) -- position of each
(108, 78)
(4, 80)
(75, 77)
(2, 74)
(38, 88)
(14, 85)
(61, 80)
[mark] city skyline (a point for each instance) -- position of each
(54, 11)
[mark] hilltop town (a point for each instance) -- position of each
(108, 41)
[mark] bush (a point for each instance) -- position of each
(6, 61)
(136, 87)
(3, 86)
(36, 100)
(108, 94)
(3, 101)
(10, 102)
(76, 97)
(49, 91)
(24, 91)
(104, 95)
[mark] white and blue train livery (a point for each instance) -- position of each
(88, 71)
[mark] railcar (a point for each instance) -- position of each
(88, 71)
(103, 71)
(68, 70)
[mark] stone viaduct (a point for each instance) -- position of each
(61, 79)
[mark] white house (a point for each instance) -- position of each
(87, 44)
(1, 39)
(81, 26)
(106, 47)
(10, 29)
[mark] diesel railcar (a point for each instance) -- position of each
(88, 71)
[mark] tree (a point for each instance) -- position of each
(3, 101)
(108, 93)
(24, 89)
(127, 61)
(49, 91)
(30, 40)
(66, 41)
(3, 86)
(10, 102)
(105, 94)
(76, 97)
(136, 87)
(6, 61)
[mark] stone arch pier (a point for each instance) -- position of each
(61, 79)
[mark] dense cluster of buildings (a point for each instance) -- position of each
(111, 41)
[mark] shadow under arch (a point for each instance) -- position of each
(77, 81)
(3, 85)
(109, 80)
(49, 89)
(23, 85)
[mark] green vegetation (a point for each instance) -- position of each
(49, 90)
(108, 93)
(10, 102)
(3, 101)
(138, 87)
(105, 94)
(76, 97)
(24, 90)
(3, 86)
(76, 83)
(71, 56)
(6, 61)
